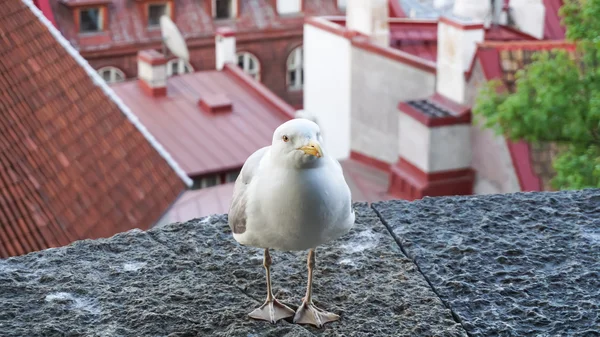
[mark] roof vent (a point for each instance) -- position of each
(215, 103)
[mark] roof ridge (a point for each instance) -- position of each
(98, 81)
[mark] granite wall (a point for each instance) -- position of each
(525, 264)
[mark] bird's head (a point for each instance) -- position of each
(298, 143)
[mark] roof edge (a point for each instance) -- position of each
(109, 92)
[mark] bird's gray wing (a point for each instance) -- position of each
(237, 210)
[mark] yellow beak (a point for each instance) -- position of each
(313, 148)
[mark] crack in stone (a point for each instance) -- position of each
(248, 295)
(414, 260)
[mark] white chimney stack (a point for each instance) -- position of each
(457, 43)
(370, 17)
(224, 47)
(152, 72)
(529, 16)
(289, 6)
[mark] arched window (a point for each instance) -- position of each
(178, 66)
(295, 69)
(249, 64)
(111, 74)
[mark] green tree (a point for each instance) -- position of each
(557, 99)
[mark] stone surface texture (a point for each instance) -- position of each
(192, 279)
(524, 264)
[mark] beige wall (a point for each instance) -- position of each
(378, 85)
(491, 161)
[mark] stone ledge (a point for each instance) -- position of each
(524, 264)
(193, 279)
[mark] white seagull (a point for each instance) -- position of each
(291, 196)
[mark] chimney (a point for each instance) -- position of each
(152, 72)
(529, 16)
(369, 17)
(457, 43)
(435, 150)
(224, 47)
(289, 6)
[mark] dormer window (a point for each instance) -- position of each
(90, 20)
(155, 11)
(224, 9)
(89, 16)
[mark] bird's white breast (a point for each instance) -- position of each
(297, 209)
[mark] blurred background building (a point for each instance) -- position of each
(90, 149)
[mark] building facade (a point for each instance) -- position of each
(110, 33)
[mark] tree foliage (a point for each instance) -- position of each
(557, 99)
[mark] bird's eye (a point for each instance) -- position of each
(318, 134)
(285, 138)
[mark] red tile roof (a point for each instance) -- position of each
(126, 21)
(72, 165)
(205, 142)
(366, 184)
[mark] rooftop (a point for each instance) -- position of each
(126, 23)
(73, 162)
(201, 141)
(498, 265)
(419, 37)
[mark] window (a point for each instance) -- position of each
(224, 9)
(178, 66)
(111, 74)
(155, 11)
(90, 20)
(249, 64)
(231, 176)
(209, 181)
(205, 182)
(295, 69)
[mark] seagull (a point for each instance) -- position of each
(291, 196)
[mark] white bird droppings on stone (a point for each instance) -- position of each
(348, 262)
(135, 266)
(365, 240)
(74, 303)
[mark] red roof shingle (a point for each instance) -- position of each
(72, 165)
